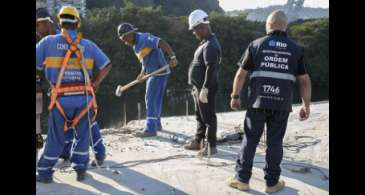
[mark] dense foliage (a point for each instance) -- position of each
(169, 7)
(234, 34)
(169, 21)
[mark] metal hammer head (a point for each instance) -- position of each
(118, 91)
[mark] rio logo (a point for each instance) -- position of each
(277, 44)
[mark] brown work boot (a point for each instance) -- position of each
(204, 151)
(235, 183)
(143, 134)
(272, 189)
(193, 145)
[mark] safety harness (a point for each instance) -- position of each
(64, 89)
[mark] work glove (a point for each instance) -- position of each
(203, 96)
(39, 141)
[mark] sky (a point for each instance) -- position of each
(229, 5)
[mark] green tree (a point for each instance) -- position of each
(313, 36)
(234, 34)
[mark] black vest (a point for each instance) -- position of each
(273, 77)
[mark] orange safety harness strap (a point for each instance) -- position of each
(58, 90)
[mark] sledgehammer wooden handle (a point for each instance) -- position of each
(120, 89)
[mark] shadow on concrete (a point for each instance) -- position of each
(307, 173)
(62, 188)
(132, 180)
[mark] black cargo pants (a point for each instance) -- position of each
(205, 116)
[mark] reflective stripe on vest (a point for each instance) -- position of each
(274, 75)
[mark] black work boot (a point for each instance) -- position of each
(44, 179)
(99, 161)
(81, 174)
(193, 145)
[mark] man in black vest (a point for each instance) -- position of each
(274, 63)
(203, 75)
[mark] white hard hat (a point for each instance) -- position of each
(197, 17)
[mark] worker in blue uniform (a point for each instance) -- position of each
(69, 62)
(149, 51)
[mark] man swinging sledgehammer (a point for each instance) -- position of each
(149, 51)
(69, 61)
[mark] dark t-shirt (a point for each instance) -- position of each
(207, 55)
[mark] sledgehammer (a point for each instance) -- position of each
(120, 89)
